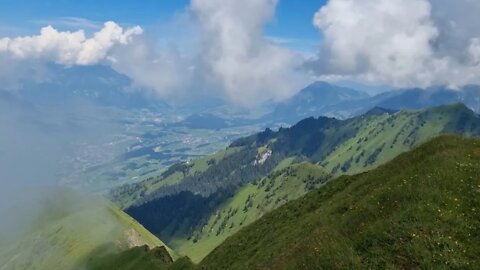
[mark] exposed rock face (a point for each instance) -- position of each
(261, 159)
(162, 254)
(134, 239)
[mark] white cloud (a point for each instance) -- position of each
(70, 22)
(165, 72)
(68, 48)
(474, 50)
(236, 54)
(400, 42)
(227, 57)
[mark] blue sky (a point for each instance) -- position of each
(292, 25)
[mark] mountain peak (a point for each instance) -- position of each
(377, 110)
(322, 86)
(457, 107)
(311, 100)
(460, 106)
(319, 84)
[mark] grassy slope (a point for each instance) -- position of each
(250, 203)
(418, 211)
(382, 137)
(138, 258)
(72, 229)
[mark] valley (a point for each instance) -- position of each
(143, 146)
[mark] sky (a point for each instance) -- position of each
(247, 52)
(24, 17)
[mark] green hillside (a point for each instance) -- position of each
(249, 204)
(382, 136)
(69, 230)
(137, 258)
(127, 195)
(419, 211)
(194, 208)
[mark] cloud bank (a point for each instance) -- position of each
(399, 42)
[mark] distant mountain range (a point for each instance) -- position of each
(99, 85)
(312, 100)
(324, 99)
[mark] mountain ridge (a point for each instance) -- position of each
(311, 100)
(68, 230)
(418, 211)
(339, 147)
(371, 220)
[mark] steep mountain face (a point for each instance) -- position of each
(287, 182)
(312, 100)
(422, 98)
(471, 97)
(68, 230)
(194, 206)
(419, 211)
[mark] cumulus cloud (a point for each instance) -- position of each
(399, 42)
(474, 50)
(237, 55)
(70, 22)
(167, 73)
(228, 57)
(376, 34)
(68, 48)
